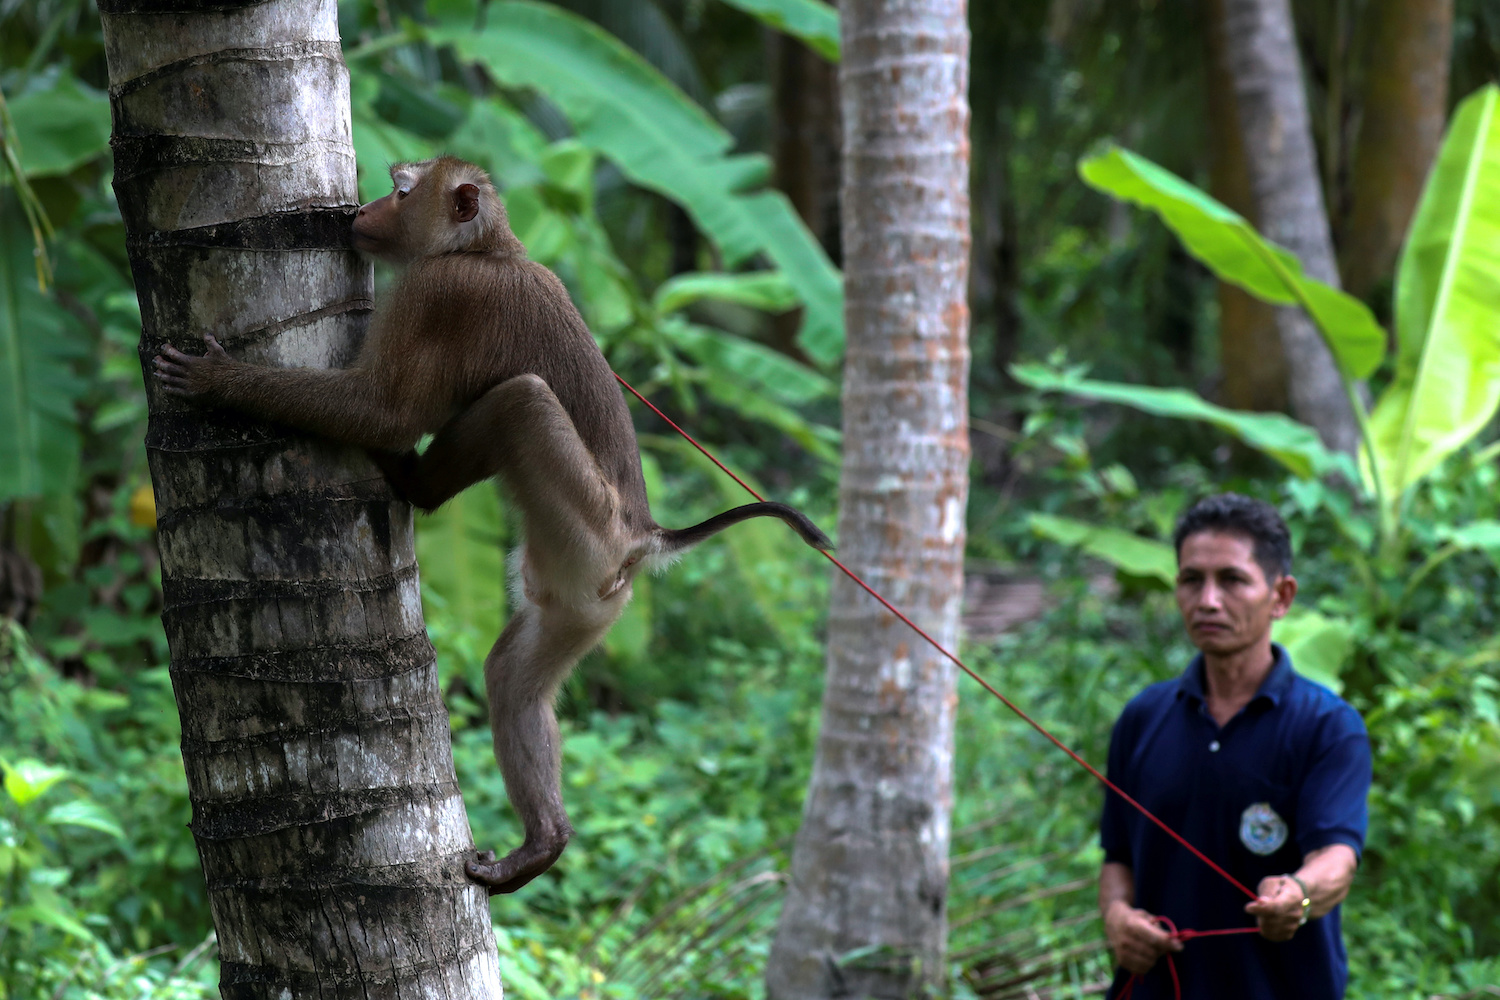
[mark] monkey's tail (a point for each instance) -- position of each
(672, 541)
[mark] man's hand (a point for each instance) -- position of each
(1135, 937)
(1279, 908)
(1327, 873)
(190, 377)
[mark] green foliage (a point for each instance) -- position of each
(768, 290)
(1235, 252)
(40, 342)
(1395, 600)
(762, 549)
(1446, 386)
(757, 382)
(83, 855)
(1320, 646)
(690, 733)
(1294, 445)
(623, 108)
(59, 126)
(1444, 391)
(461, 552)
(813, 21)
(1441, 390)
(1127, 552)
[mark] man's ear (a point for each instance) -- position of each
(465, 202)
(1285, 589)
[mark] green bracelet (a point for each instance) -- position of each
(1306, 896)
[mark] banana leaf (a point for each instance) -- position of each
(377, 142)
(1230, 247)
(814, 22)
(39, 388)
(501, 139)
(61, 127)
(758, 383)
(1319, 646)
(461, 552)
(622, 107)
(1127, 552)
(1473, 535)
(1294, 445)
(765, 370)
(766, 290)
(1446, 387)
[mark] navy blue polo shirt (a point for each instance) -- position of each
(1287, 775)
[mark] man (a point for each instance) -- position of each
(1261, 769)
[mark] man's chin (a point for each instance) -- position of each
(1216, 642)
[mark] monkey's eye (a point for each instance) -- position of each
(403, 191)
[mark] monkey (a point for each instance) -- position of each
(483, 348)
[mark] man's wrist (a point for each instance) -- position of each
(1306, 896)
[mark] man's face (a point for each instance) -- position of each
(1226, 601)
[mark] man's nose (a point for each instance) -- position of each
(1208, 597)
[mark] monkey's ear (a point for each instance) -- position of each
(465, 202)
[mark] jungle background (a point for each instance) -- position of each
(689, 735)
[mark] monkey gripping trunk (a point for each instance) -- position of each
(327, 817)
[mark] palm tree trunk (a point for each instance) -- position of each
(325, 809)
(1403, 105)
(805, 150)
(870, 863)
(805, 134)
(1255, 376)
(1261, 54)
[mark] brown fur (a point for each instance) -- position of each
(483, 348)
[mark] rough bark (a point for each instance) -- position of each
(1403, 103)
(325, 809)
(1271, 106)
(870, 863)
(1250, 352)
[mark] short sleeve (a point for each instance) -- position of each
(1114, 823)
(1332, 807)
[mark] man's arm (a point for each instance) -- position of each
(1327, 872)
(1134, 936)
(1331, 820)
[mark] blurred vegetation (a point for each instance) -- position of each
(689, 736)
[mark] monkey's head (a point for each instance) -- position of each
(436, 207)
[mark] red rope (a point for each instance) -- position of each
(1179, 935)
(960, 663)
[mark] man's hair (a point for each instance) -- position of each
(1234, 514)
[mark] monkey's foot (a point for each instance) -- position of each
(516, 868)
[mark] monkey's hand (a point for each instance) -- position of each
(190, 377)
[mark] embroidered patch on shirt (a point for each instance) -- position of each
(1261, 830)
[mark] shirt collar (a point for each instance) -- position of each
(1271, 690)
